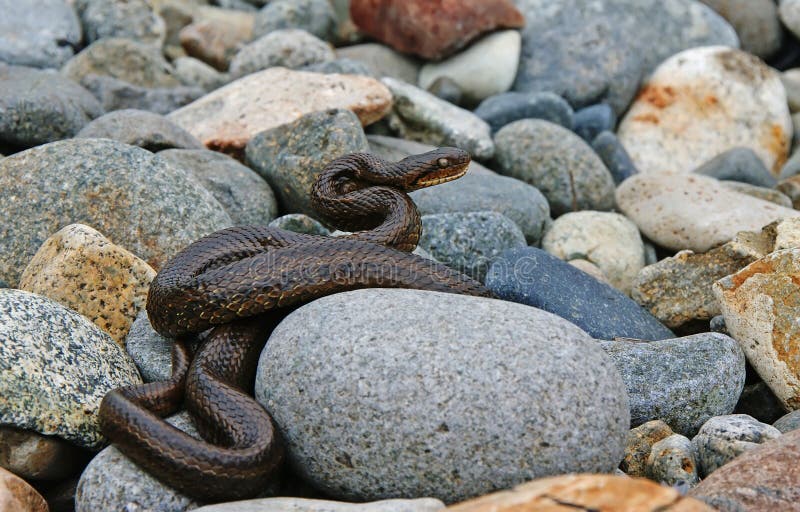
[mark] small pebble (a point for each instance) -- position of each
(673, 461)
(591, 121)
(723, 438)
(614, 156)
(502, 109)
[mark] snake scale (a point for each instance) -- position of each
(239, 283)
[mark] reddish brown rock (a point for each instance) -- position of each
(432, 29)
(16, 495)
(763, 479)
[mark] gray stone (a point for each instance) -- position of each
(557, 162)
(792, 165)
(382, 61)
(300, 223)
(791, 83)
(314, 16)
(41, 106)
(678, 380)
(673, 461)
(306, 505)
(469, 241)
(423, 117)
(194, 72)
(42, 37)
(758, 401)
(116, 188)
(445, 88)
(723, 438)
(789, 11)
(116, 94)
(57, 366)
(614, 156)
(244, 194)
(502, 109)
(291, 156)
(151, 352)
(767, 194)
(450, 396)
(739, 164)
(291, 48)
(343, 66)
(788, 422)
(755, 21)
(591, 121)
(132, 19)
(140, 128)
(111, 481)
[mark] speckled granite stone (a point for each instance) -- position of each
(55, 367)
(673, 461)
(83, 270)
(140, 128)
(41, 37)
(126, 193)
(314, 16)
(449, 396)
(723, 438)
(300, 223)
(151, 352)
(132, 19)
(639, 444)
(290, 48)
(116, 94)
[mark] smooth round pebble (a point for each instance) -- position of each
(673, 461)
(147, 130)
(723, 438)
(502, 109)
(590, 121)
(314, 16)
(614, 156)
(289, 48)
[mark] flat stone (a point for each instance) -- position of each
(502, 109)
(457, 383)
(609, 240)
(767, 194)
(765, 478)
(557, 162)
(756, 23)
(116, 94)
(723, 438)
(306, 505)
(300, 223)
(41, 106)
(83, 270)
(469, 241)
(382, 61)
(702, 102)
(416, 26)
(678, 380)
(486, 67)
(673, 461)
(314, 16)
(131, 19)
(33, 456)
(56, 367)
(738, 164)
(290, 48)
(229, 117)
(16, 494)
(147, 130)
(244, 195)
(639, 445)
(421, 116)
(43, 37)
(291, 156)
(591, 121)
(760, 304)
(788, 422)
(688, 211)
(568, 493)
(532, 276)
(116, 188)
(614, 157)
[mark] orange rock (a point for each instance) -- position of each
(570, 493)
(432, 29)
(16, 495)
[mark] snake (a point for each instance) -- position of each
(235, 285)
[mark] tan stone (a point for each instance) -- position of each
(639, 444)
(761, 305)
(16, 495)
(215, 35)
(599, 493)
(33, 455)
(83, 270)
(229, 117)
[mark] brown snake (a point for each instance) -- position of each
(240, 282)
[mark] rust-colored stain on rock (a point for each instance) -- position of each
(658, 96)
(775, 139)
(647, 118)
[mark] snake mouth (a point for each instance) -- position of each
(442, 177)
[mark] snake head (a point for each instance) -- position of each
(434, 167)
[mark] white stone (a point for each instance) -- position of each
(702, 102)
(789, 12)
(487, 67)
(306, 505)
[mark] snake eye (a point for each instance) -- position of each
(443, 162)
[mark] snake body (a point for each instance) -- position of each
(240, 282)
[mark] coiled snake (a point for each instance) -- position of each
(240, 282)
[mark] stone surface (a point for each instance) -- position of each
(609, 240)
(418, 27)
(56, 367)
(723, 438)
(534, 277)
(678, 380)
(43, 37)
(291, 156)
(585, 492)
(591, 121)
(758, 401)
(151, 352)
(788, 422)
(672, 461)
(217, 35)
(341, 66)
(614, 156)
(41, 106)
(306, 505)
(244, 195)
(17, 495)
(421, 116)
(789, 11)
(116, 94)
(765, 478)
(33, 456)
(117, 189)
(738, 164)
(687, 211)
(702, 102)
(195, 72)
(300, 223)
(229, 117)
(140, 128)
(502, 109)
(557, 162)
(791, 187)
(82, 269)
(131, 19)
(487, 67)
(767, 194)
(290, 48)
(755, 21)
(639, 443)
(469, 241)
(760, 304)
(382, 61)
(464, 376)
(314, 16)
